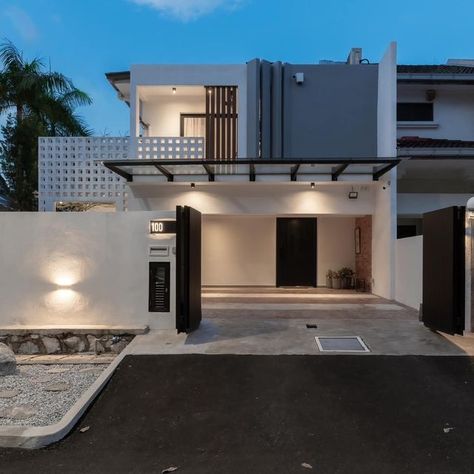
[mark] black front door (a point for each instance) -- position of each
(188, 269)
(443, 270)
(296, 251)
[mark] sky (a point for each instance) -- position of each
(83, 39)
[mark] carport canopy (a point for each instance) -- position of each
(253, 170)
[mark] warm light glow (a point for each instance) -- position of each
(64, 300)
(312, 185)
(64, 270)
(174, 90)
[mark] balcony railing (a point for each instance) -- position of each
(169, 148)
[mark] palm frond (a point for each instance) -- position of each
(10, 56)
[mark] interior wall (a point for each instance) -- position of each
(241, 250)
(335, 245)
(163, 113)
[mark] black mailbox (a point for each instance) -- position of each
(159, 287)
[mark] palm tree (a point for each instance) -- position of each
(36, 102)
(28, 89)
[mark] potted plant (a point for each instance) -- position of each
(329, 277)
(336, 280)
(346, 274)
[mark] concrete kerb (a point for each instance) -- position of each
(34, 437)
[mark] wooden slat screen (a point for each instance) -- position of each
(221, 122)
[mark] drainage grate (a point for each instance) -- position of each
(341, 344)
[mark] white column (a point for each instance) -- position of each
(384, 223)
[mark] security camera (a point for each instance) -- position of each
(299, 77)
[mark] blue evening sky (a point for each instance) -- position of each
(86, 38)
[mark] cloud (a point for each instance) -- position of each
(187, 10)
(22, 22)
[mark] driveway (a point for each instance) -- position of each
(270, 414)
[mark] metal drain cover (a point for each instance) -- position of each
(341, 344)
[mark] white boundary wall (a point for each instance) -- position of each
(409, 271)
(78, 269)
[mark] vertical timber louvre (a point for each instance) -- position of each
(221, 122)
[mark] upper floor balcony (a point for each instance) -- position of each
(186, 122)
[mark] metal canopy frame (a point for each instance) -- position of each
(377, 167)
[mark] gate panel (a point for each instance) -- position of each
(188, 269)
(444, 270)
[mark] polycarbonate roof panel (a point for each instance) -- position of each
(251, 169)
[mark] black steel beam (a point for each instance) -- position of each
(119, 171)
(165, 172)
(381, 170)
(294, 172)
(209, 172)
(336, 172)
(252, 172)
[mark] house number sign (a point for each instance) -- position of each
(162, 227)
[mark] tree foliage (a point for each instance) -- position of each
(36, 103)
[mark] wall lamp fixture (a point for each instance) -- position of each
(193, 185)
(173, 90)
(312, 185)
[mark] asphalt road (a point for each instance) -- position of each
(269, 414)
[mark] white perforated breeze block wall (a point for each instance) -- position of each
(170, 148)
(70, 170)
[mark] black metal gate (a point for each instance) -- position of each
(444, 270)
(188, 269)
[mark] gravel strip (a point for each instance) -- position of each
(40, 395)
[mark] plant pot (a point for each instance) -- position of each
(328, 282)
(336, 283)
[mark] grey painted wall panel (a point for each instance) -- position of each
(333, 113)
(253, 108)
(277, 111)
(266, 109)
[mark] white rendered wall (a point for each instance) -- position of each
(191, 75)
(163, 113)
(238, 250)
(453, 110)
(336, 247)
(78, 269)
(254, 198)
(416, 204)
(384, 221)
(241, 250)
(409, 271)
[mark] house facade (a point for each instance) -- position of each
(248, 145)
(296, 169)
